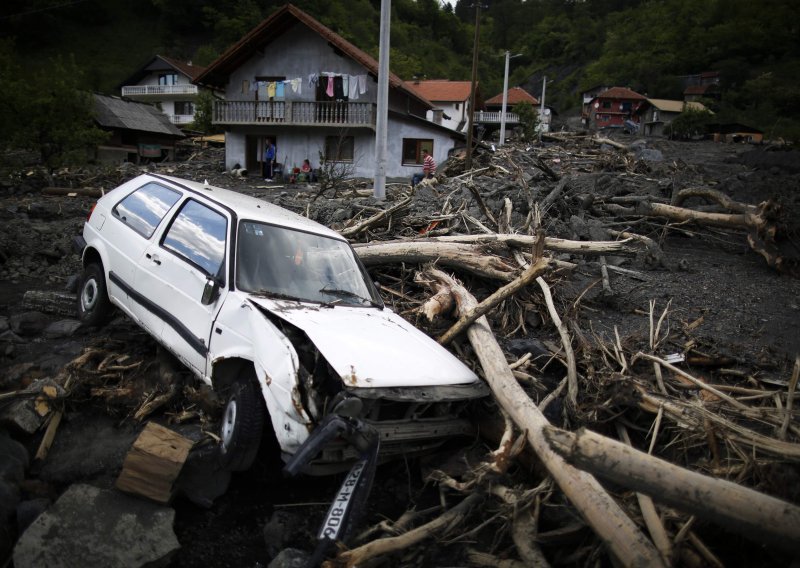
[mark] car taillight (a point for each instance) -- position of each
(89, 216)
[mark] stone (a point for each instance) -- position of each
(28, 323)
(61, 328)
(92, 527)
(290, 558)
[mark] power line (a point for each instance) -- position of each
(42, 10)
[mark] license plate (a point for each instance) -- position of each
(338, 511)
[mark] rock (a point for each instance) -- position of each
(11, 449)
(12, 470)
(73, 459)
(279, 530)
(10, 337)
(61, 328)
(28, 323)
(650, 155)
(290, 558)
(29, 511)
(9, 499)
(92, 527)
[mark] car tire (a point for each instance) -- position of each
(242, 425)
(94, 307)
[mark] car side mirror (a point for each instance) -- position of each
(210, 291)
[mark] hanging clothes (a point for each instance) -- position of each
(329, 89)
(362, 84)
(338, 88)
(271, 89)
(352, 81)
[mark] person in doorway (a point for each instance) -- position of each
(269, 160)
(428, 169)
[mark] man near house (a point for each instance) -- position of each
(428, 169)
(269, 160)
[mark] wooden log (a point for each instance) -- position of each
(469, 258)
(754, 515)
(73, 192)
(153, 463)
(598, 508)
(377, 218)
(51, 302)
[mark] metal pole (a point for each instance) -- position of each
(541, 108)
(505, 101)
(472, 90)
(381, 120)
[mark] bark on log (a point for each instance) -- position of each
(469, 258)
(600, 511)
(752, 514)
(50, 302)
(83, 191)
(629, 246)
(377, 218)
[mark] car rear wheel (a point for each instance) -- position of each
(242, 425)
(94, 307)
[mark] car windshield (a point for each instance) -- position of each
(286, 263)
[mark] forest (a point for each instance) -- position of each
(642, 44)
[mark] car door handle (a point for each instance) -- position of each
(154, 258)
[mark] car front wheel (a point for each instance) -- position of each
(94, 307)
(242, 425)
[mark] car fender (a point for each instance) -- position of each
(277, 369)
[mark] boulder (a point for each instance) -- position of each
(92, 527)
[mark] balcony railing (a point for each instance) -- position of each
(140, 90)
(181, 118)
(484, 117)
(295, 113)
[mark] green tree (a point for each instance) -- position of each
(204, 113)
(52, 114)
(528, 119)
(691, 123)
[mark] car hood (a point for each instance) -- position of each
(370, 347)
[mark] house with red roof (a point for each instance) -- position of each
(451, 99)
(167, 84)
(515, 96)
(295, 82)
(612, 107)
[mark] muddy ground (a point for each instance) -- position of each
(722, 295)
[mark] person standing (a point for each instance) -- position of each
(269, 160)
(428, 169)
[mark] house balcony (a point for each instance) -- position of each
(161, 91)
(493, 117)
(294, 113)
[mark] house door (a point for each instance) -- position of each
(254, 148)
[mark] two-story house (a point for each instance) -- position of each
(614, 106)
(451, 99)
(312, 93)
(166, 83)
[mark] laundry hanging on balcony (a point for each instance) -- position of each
(340, 86)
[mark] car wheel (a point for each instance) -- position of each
(242, 425)
(94, 307)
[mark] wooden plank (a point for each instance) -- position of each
(154, 463)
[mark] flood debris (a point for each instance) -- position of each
(624, 300)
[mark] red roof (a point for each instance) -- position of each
(282, 20)
(442, 90)
(700, 89)
(515, 95)
(191, 71)
(620, 93)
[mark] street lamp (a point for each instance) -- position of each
(505, 99)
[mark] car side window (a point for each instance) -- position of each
(198, 234)
(144, 209)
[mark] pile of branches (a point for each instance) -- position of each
(603, 446)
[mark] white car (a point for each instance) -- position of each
(276, 312)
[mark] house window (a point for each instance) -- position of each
(412, 150)
(458, 106)
(339, 148)
(606, 104)
(168, 79)
(184, 107)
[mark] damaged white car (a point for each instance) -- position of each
(277, 313)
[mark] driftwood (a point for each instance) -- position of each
(377, 218)
(72, 192)
(469, 258)
(601, 512)
(750, 513)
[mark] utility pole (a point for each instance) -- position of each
(471, 116)
(505, 100)
(541, 108)
(382, 118)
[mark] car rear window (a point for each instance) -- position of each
(144, 209)
(198, 234)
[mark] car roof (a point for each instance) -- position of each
(249, 207)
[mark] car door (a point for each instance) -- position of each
(130, 229)
(174, 272)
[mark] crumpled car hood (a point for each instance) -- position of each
(369, 347)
